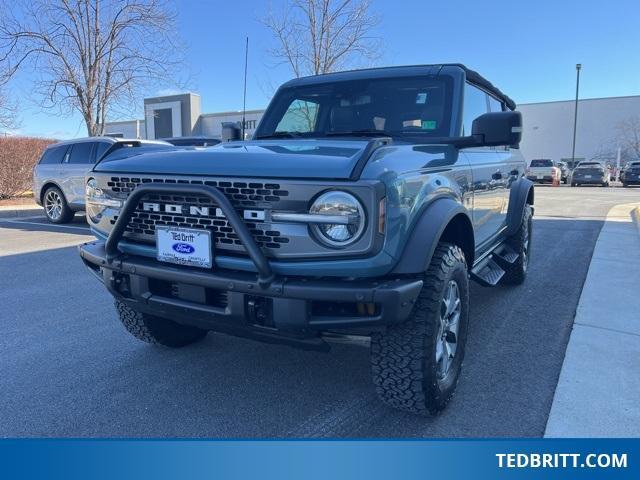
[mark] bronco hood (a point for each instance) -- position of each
(330, 159)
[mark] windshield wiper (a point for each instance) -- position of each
(279, 135)
(362, 133)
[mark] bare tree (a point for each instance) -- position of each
(8, 106)
(8, 111)
(321, 36)
(629, 136)
(93, 56)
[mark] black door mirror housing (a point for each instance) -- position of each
(498, 129)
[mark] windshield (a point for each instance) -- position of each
(541, 163)
(407, 106)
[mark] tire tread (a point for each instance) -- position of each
(400, 367)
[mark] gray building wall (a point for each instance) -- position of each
(126, 129)
(186, 106)
(548, 127)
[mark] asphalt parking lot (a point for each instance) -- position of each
(70, 369)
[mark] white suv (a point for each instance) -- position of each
(59, 176)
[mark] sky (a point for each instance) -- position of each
(527, 48)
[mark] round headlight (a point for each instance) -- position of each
(92, 188)
(94, 193)
(97, 202)
(344, 215)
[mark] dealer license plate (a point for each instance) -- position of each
(540, 177)
(184, 246)
(587, 176)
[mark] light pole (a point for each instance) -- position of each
(575, 117)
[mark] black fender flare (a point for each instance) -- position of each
(427, 232)
(521, 193)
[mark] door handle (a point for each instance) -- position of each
(497, 175)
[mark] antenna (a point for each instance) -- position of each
(244, 97)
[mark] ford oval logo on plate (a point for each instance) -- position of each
(183, 248)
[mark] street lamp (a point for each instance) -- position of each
(575, 116)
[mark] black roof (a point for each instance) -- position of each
(471, 75)
(477, 79)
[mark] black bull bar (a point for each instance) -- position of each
(265, 274)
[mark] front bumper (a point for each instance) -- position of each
(536, 179)
(235, 302)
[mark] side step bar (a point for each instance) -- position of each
(491, 269)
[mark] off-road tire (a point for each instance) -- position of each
(64, 214)
(403, 358)
(521, 243)
(157, 330)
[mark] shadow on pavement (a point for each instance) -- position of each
(70, 369)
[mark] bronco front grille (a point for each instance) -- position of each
(242, 195)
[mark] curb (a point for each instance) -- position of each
(602, 340)
(635, 216)
(20, 212)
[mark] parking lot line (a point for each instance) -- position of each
(24, 222)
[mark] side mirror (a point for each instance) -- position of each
(498, 128)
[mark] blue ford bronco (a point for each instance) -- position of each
(363, 206)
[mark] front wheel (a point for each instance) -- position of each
(521, 243)
(416, 364)
(157, 330)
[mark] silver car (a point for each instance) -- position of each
(59, 176)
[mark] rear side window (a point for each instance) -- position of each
(101, 147)
(82, 153)
(54, 155)
(475, 104)
(494, 104)
(541, 163)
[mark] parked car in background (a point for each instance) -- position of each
(543, 170)
(590, 173)
(196, 141)
(59, 176)
(630, 174)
